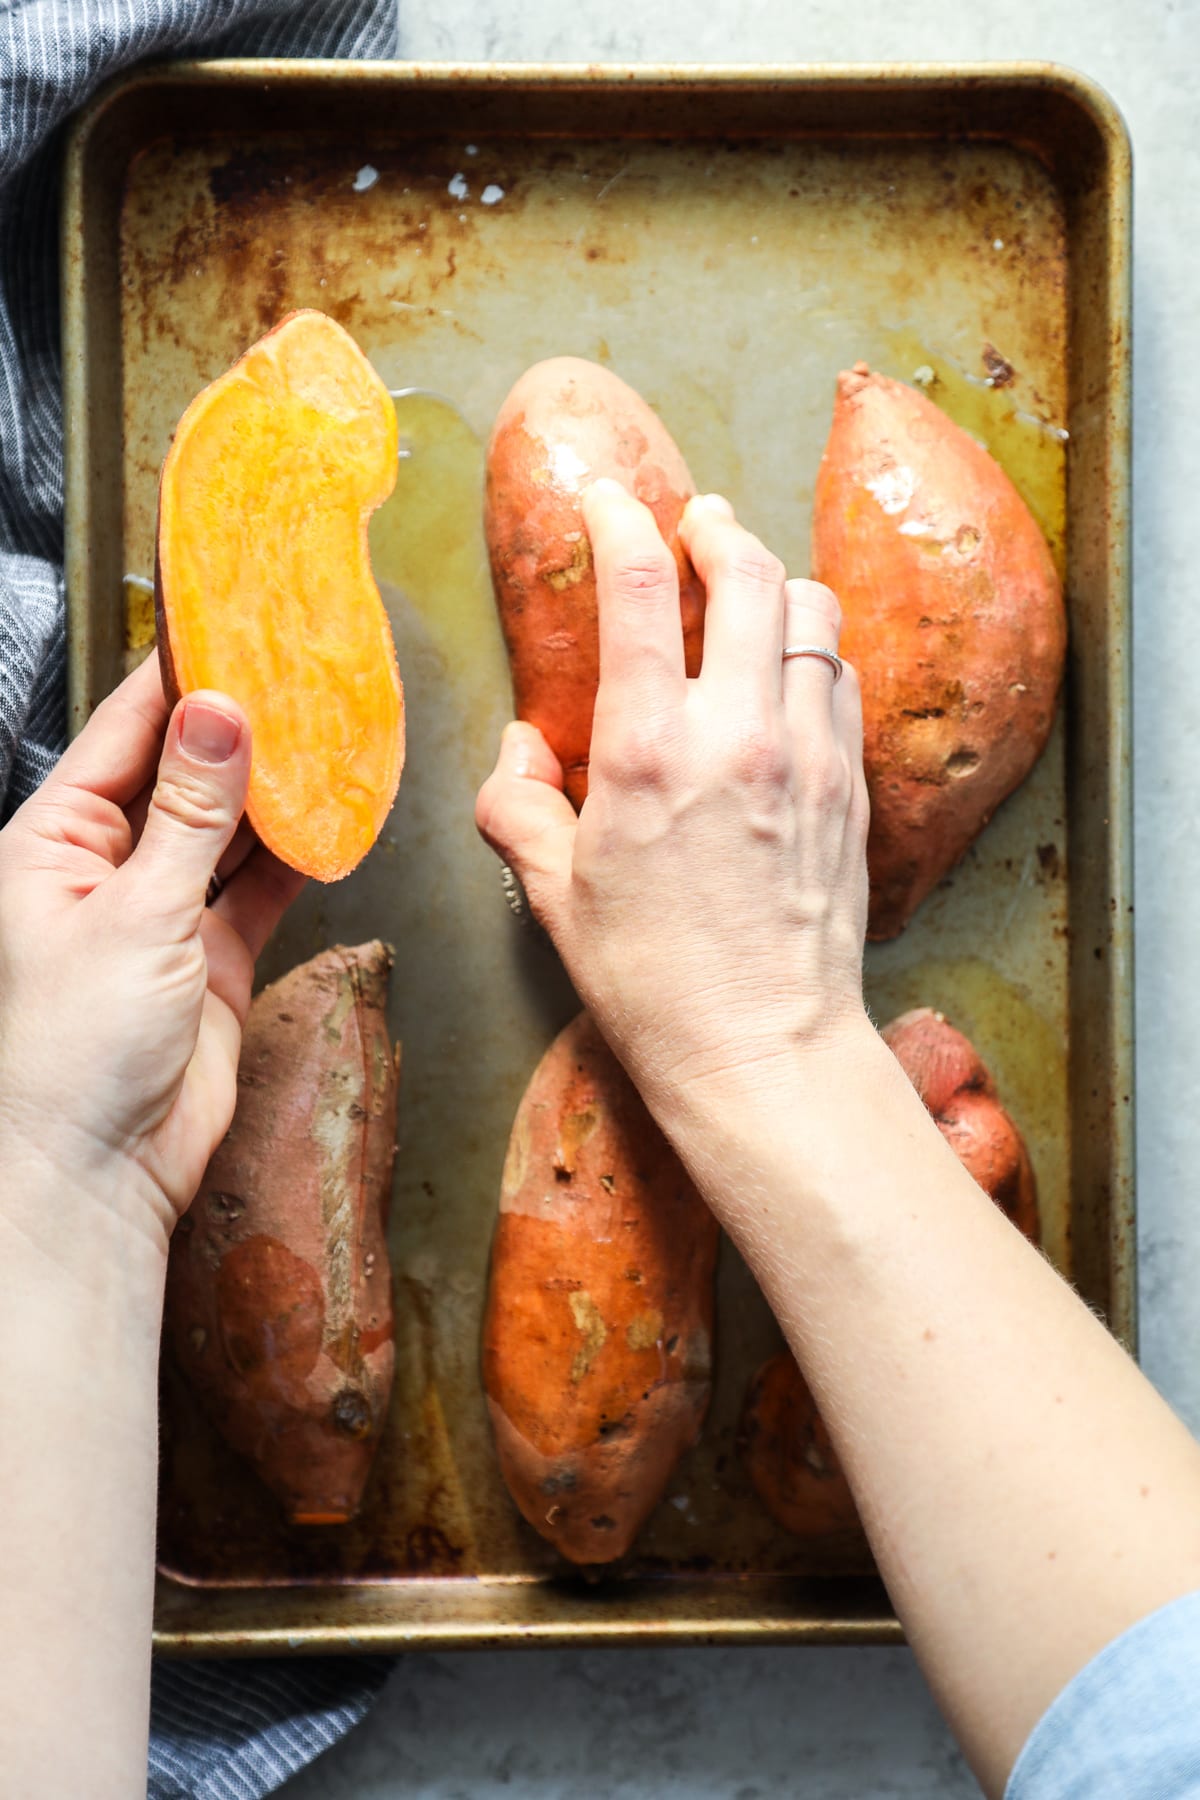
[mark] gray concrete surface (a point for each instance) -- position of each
(849, 1724)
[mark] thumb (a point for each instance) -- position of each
(194, 809)
(528, 820)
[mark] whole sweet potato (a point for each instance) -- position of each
(564, 423)
(954, 619)
(597, 1339)
(951, 1078)
(279, 1298)
(263, 584)
(790, 1458)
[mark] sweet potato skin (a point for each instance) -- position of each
(565, 422)
(279, 1302)
(263, 585)
(597, 1337)
(953, 1081)
(954, 619)
(791, 1460)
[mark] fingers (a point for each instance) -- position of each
(256, 895)
(848, 731)
(116, 752)
(193, 813)
(811, 616)
(743, 621)
(524, 815)
(637, 597)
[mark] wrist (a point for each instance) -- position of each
(95, 1221)
(772, 1118)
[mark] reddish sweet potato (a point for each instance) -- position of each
(264, 588)
(949, 1074)
(954, 619)
(279, 1300)
(791, 1460)
(597, 1339)
(789, 1456)
(564, 423)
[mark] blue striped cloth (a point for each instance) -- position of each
(219, 1731)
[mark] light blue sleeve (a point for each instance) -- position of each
(1128, 1726)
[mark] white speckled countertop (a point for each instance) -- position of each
(859, 1724)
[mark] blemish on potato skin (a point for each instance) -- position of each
(575, 1130)
(644, 1330)
(590, 1322)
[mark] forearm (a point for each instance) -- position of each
(974, 1400)
(80, 1308)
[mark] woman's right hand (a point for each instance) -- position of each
(710, 900)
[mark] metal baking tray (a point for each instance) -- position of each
(727, 239)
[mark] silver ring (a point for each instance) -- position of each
(514, 893)
(830, 656)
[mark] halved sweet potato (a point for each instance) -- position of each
(279, 1291)
(263, 584)
(950, 1076)
(953, 617)
(565, 422)
(597, 1339)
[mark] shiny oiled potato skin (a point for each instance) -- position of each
(597, 1338)
(565, 423)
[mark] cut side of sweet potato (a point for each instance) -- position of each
(264, 590)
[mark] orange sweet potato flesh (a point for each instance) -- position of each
(791, 1460)
(279, 1299)
(263, 584)
(566, 422)
(789, 1456)
(597, 1337)
(954, 619)
(950, 1076)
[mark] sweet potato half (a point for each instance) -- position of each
(597, 1338)
(263, 584)
(954, 619)
(279, 1295)
(565, 422)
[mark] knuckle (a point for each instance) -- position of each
(759, 756)
(489, 807)
(633, 753)
(748, 563)
(828, 779)
(824, 600)
(190, 800)
(643, 575)
(814, 597)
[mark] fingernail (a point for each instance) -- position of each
(714, 503)
(604, 484)
(208, 735)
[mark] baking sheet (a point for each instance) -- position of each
(726, 241)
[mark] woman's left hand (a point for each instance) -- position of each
(122, 993)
